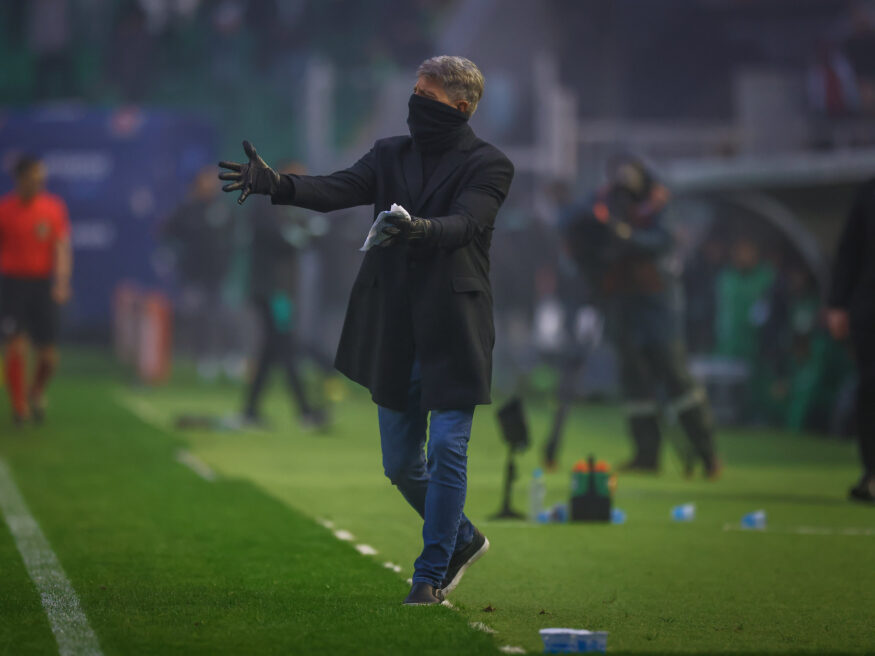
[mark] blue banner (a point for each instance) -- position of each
(120, 171)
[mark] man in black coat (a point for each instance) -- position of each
(852, 314)
(418, 331)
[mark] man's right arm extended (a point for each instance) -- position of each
(322, 193)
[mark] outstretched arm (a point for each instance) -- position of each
(324, 193)
(347, 188)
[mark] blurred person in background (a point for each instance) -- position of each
(859, 47)
(744, 295)
(278, 235)
(851, 314)
(203, 235)
(623, 250)
(700, 279)
(36, 264)
(419, 329)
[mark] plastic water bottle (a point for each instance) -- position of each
(684, 513)
(754, 520)
(537, 493)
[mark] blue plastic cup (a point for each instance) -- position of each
(755, 520)
(684, 513)
(618, 516)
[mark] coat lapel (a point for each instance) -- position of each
(449, 162)
(411, 167)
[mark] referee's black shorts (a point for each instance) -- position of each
(27, 307)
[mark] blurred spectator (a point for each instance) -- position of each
(623, 249)
(132, 56)
(49, 39)
(809, 368)
(700, 281)
(202, 232)
(860, 49)
(279, 233)
(832, 83)
(744, 293)
(743, 290)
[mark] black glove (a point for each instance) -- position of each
(408, 228)
(253, 177)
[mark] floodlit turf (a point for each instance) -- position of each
(165, 562)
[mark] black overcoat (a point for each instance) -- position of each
(431, 301)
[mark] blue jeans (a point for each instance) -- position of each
(436, 486)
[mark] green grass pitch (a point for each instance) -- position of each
(165, 562)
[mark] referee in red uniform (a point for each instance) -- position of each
(36, 263)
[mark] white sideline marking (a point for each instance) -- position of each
(480, 626)
(346, 536)
(325, 523)
(509, 649)
(366, 550)
(195, 464)
(804, 530)
(143, 410)
(395, 568)
(69, 624)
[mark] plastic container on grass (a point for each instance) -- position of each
(684, 513)
(755, 520)
(574, 641)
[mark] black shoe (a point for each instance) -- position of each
(864, 490)
(424, 594)
(462, 560)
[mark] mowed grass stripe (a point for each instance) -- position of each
(165, 562)
(69, 624)
(24, 627)
(656, 585)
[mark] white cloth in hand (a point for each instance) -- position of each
(377, 234)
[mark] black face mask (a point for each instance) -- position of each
(434, 126)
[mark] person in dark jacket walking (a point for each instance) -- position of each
(418, 331)
(278, 235)
(851, 314)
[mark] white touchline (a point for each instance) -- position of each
(805, 530)
(68, 621)
(195, 464)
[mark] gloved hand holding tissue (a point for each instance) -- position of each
(382, 231)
